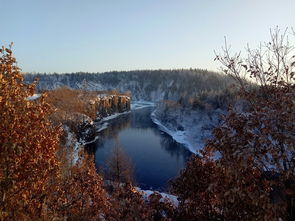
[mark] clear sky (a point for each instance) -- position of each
(104, 35)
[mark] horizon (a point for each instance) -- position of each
(131, 70)
(96, 36)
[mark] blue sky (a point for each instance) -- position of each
(97, 35)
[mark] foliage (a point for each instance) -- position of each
(255, 143)
(28, 144)
(79, 194)
(129, 204)
(68, 101)
(197, 201)
(263, 137)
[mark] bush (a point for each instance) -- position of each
(28, 145)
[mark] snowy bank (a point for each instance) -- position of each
(177, 135)
(147, 193)
(112, 116)
(190, 127)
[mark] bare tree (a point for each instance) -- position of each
(119, 166)
(271, 64)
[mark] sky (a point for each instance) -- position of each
(103, 35)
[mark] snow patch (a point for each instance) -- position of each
(113, 116)
(34, 97)
(89, 142)
(147, 193)
(102, 127)
(141, 104)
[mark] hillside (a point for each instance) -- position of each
(149, 85)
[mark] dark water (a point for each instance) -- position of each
(155, 156)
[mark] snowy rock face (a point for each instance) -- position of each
(111, 104)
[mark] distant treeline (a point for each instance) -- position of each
(152, 85)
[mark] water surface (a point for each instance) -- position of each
(155, 156)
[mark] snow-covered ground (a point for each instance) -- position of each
(147, 193)
(178, 136)
(190, 128)
(72, 142)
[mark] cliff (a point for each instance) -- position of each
(81, 110)
(108, 104)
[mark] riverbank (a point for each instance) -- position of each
(177, 135)
(190, 127)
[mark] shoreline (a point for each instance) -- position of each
(178, 136)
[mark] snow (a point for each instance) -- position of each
(147, 193)
(113, 116)
(141, 104)
(89, 142)
(75, 154)
(178, 136)
(34, 97)
(71, 142)
(102, 127)
(188, 127)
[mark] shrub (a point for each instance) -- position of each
(28, 144)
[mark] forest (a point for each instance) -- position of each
(149, 85)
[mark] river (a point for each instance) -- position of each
(155, 156)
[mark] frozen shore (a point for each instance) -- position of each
(188, 128)
(178, 136)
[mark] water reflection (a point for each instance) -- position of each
(174, 148)
(156, 156)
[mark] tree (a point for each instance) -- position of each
(36, 183)
(119, 167)
(197, 188)
(262, 137)
(28, 144)
(80, 194)
(255, 141)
